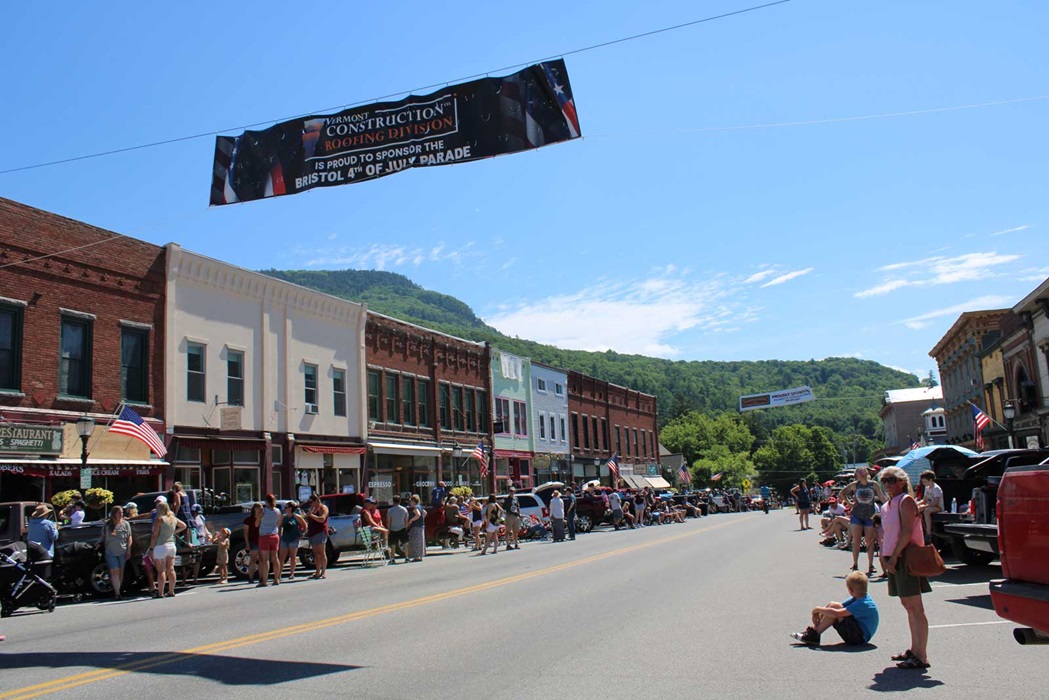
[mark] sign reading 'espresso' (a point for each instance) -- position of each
(45, 440)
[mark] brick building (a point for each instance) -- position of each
(429, 401)
(608, 419)
(81, 331)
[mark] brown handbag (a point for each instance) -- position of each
(920, 560)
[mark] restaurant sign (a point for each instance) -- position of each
(30, 439)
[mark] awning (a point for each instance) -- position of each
(395, 448)
(59, 468)
(333, 449)
(635, 481)
(657, 482)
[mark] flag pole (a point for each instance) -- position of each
(986, 414)
(111, 419)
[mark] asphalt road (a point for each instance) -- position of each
(701, 609)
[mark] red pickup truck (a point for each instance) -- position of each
(1023, 540)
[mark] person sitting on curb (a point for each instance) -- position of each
(855, 620)
(834, 524)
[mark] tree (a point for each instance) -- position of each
(930, 381)
(795, 451)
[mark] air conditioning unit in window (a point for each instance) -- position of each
(311, 409)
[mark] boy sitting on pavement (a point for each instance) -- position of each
(855, 620)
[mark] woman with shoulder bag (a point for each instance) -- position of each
(900, 521)
(492, 513)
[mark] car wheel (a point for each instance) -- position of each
(98, 582)
(971, 557)
(584, 524)
(241, 560)
(306, 558)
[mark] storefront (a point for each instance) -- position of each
(233, 469)
(404, 469)
(513, 467)
(327, 469)
(552, 467)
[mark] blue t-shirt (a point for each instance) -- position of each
(866, 613)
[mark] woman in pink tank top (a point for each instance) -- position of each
(899, 520)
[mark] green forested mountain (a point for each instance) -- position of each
(849, 390)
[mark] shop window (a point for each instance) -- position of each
(188, 454)
(310, 394)
(245, 456)
(134, 366)
(408, 400)
(393, 413)
(422, 387)
(445, 399)
(10, 347)
(196, 369)
(277, 454)
(234, 378)
(374, 387)
(338, 391)
(457, 408)
(221, 457)
(74, 375)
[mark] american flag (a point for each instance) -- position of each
(717, 477)
(131, 424)
(613, 466)
(564, 100)
(683, 475)
(915, 445)
(481, 457)
(980, 421)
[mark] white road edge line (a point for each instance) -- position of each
(970, 624)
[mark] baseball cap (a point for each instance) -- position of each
(197, 508)
(369, 499)
(160, 499)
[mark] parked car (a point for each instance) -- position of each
(591, 507)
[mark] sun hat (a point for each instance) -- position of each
(41, 511)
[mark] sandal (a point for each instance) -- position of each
(913, 663)
(902, 656)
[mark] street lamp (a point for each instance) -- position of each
(1009, 410)
(457, 453)
(85, 425)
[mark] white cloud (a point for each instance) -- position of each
(970, 267)
(990, 301)
(380, 256)
(787, 277)
(508, 264)
(759, 276)
(1012, 230)
(648, 313)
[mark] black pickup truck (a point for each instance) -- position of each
(972, 536)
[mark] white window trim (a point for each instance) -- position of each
(14, 302)
(135, 325)
(542, 389)
(83, 315)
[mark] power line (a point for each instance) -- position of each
(205, 134)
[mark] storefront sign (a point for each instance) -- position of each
(31, 439)
(380, 484)
(44, 469)
(425, 483)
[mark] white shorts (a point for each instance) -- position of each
(491, 529)
(163, 551)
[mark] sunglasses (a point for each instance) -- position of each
(889, 480)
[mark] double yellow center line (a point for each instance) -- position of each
(163, 659)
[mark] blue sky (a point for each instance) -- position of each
(666, 230)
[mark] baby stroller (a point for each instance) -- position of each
(21, 580)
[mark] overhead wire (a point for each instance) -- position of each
(205, 134)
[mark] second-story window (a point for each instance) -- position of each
(338, 391)
(559, 389)
(553, 431)
(540, 385)
(542, 426)
(196, 368)
(310, 384)
(520, 419)
(393, 413)
(502, 416)
(134, 367)
(444, 397)
(471, 416)
(408, 400)
(74, 375)
(457, 408)
(235, 377)
(422, 391)
(374, 389)
(10, 347)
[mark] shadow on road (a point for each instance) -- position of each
(975, 601)
(229, 670)
(968, 574)
(896, 680)
(846, 648)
